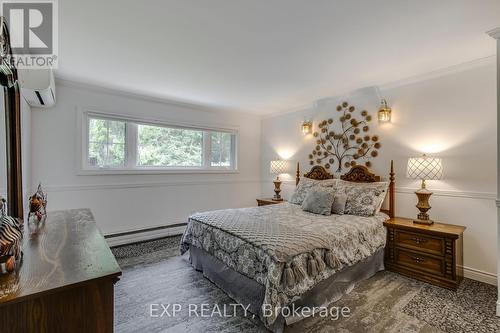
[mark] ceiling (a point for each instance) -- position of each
(266, 56)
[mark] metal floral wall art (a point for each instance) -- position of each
(345, 142)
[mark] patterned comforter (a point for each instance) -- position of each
(284, 248)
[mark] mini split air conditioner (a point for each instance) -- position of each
(38, 87)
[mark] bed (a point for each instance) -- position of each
(279, 257)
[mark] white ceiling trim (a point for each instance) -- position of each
(399, 83)
(79, 84)
(441, 72)
(75, 83)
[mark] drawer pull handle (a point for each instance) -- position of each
(419, 240)
(418, 259)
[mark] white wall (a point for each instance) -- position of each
(451, 114)
(25, 150)
(124, 203)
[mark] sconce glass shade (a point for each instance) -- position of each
(306, 127)
(384, 112)
(425, 168)
(277, 167)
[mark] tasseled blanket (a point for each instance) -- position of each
(284, 248)
(281, 240)
(316, 263)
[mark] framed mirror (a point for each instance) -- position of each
(11, 169)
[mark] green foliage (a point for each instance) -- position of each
(221, 149)
(156, 146)
(106, 143)
(162, 146)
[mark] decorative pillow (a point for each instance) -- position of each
(319, 200)
(363, 199)
(338, 206)
(305, 184)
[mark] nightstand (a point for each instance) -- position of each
(431, 253)
(268, 201)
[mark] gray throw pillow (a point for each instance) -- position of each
(319, 200)
(338, 206)
(307, 184)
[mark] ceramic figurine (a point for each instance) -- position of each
(38, 205)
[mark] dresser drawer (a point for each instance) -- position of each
(419, 261)
(419, 242)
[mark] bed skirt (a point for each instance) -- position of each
(250, 293)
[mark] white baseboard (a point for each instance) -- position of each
(140, 236)
(478, 275)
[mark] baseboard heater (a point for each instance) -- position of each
(147, 234)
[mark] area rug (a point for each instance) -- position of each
(154, 274)
(470, 309)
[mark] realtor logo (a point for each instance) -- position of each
(33, 32)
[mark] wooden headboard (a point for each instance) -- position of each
(358, 174)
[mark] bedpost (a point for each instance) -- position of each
(392, 190)
(297, 175)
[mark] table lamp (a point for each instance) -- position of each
(277, 167)
(424, 168)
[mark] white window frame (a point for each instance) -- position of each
(131, 166)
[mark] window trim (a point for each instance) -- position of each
(83, 168)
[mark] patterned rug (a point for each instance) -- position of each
(146, 252)
(470, 309)
(153, 272)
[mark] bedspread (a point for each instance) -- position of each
(284, 248)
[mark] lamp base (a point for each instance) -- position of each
(426, 222)
(277, 190)
(423, 206)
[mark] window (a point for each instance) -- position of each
(114, 144)
(169, 147)
(106, 143)
(221, 149)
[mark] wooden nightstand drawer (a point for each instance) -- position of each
(417, 241)
(419, 261)
(431, 253)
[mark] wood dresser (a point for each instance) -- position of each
(268, 201)
(65, 282)
(431, 253)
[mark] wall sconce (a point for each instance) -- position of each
(307, 127)
(384, 112)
